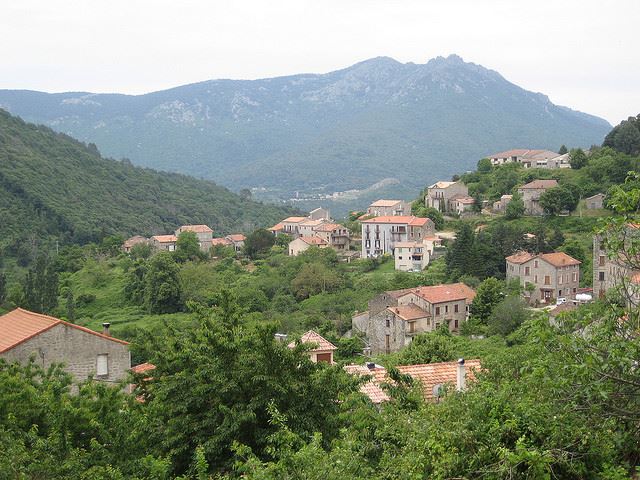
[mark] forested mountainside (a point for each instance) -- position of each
(319, 133)
(53, 185)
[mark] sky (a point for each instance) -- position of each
(581, 53)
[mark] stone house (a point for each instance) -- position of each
(49, 340)
(301, 244)
(336, 235)
(553, 275)
(395, 317)
(164, 242)
(440, 195)
(595, 202)
(619, 271)
(414, 256)
(501, 205)
(321, 348)
(319, 214)
(531, 193)
(133, 241)
(290, 226)
(380, 234)
(387, 208)
(308, 227)
(203, 232)
(461, 204)
(237, 241)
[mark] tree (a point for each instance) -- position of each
(162, 292)
(557, 239)
(40, 288)
(558, 199)
(3, 287)
(563, 149)
(515, 207)
(71, 306)
(188, 247)
(246, 194)
(312, 279)
(507, 316)
(489, 293)
(477, 203)
(435, 215)
(258, 242)
(484, 165)
(134, 286)
(459, 256)
(432, 347)
(625, 137)
(577, 158)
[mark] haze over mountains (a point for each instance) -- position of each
(316, 134)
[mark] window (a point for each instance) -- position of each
(547, 280)
(387, 343)
(575, 276)
(559, 293)
(455, 323)
(437, 310)
(601, 261)
(455, 310)
(535, 279)
(102, 365)
(560, 279)
(527, 271)
(601, 276)
(446, 309)
(399, 258)
(388, 323)
(535, 264)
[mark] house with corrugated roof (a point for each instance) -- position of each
(395, 317)
(546, 276)
(26, 335)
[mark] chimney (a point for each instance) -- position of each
(371, 365)
(105, 329)
(461, 374)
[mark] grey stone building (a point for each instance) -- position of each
(203, 232)
(395, 317)
(531, 193)
(49, 340)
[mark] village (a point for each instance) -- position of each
(548, 281)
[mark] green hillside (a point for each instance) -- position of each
(54, 186)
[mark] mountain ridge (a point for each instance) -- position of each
(315, 132)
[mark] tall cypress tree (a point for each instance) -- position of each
(40, 289)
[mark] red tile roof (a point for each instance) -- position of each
(165, 238)
(520, 257)
(195, 228)
(385, 203)
(143, 367)
(371, 389)
(20, 325)
(559, 259)
(135, 240)
(403, 219)
(446, 293)
(220, 241)
(294, 219)
(540, 184)
(313, 337)
(236, 237)
(432, 374)
(408, 312)
(313, 240)
(277, 227)
(328, 227)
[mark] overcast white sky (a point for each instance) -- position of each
(582, 53)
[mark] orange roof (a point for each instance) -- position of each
(294, 219)
(559, 259)
(313, 240)
(143, 367)
(466, 200)
(313, 337)
(516, 152)
(526, 154)
(446, 293)
(277, 227)
(371, 389)
(385, 203)
(432, 374)
(328, 227)
(442, 184)
(520, 257)
(20, 325)
(220, 241)
(165, 238)
(408, 312)
(130, 242)
(540, 184)
(406, 219)
(236, 237)
(195, 228)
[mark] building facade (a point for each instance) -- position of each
(529, 158)
(414, 256)
(164, 242)
(441, 194)
(380, 234)
(531, 193)
(384, 208)
(203, 232)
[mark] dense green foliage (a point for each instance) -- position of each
(54, 186)
(625, 137)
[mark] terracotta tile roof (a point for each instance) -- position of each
(371, 389)
(195, 229)
(165, 238)
(20, 325)
(432, 374)
(402, 219)
(539, 184)
(446, 293)
(143, 367)
(313, 337)
(466, 200)
(236, 237)
(311, 223)
(220, 241)
(399, 293)
(277, 227)
(442, 184)
(409, 312)
(516, 152)
(520, 257)
(559, 259)
(135, 240)
(313, 241)
(294, 219)
(526, 154)
(385, 203)
(328, 227)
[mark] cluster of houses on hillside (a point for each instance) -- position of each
(531, 158)
(204, 233)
